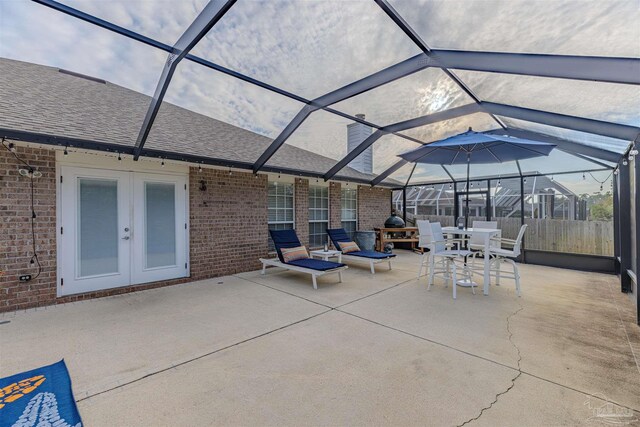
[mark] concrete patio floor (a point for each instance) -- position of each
(269, 350)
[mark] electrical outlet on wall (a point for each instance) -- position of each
(24, 278)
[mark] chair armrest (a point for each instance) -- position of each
(509, 242)
(446, 242)
(457, 239)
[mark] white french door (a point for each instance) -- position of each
(159, 242)
(120, 228)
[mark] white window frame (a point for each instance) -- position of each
(293, 204)
(318, 221)
(344, 190)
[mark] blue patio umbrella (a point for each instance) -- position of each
(477, 147)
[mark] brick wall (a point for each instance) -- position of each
(335, 206)
(229, 230)
(228, 226)
(218, 245)
(374, 207)
(15, 235)
(301, 200)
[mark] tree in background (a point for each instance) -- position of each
(599, 205)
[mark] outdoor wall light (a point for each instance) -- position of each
(31, 173)
(203, 185)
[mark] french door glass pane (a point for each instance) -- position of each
(97, 227)
(160, 224)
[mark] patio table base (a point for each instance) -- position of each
(466, 283)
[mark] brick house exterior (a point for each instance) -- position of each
(335, 208)
(227, 226)
(374, 207)
(227, 229)
(15, 238)
(228, 222)
(301, 212)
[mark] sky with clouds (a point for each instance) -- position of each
(312, 47)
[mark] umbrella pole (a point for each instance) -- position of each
(466, 202)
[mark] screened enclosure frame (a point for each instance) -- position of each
(618, 70)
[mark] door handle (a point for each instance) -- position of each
(125, 238)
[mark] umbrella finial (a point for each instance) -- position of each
(470, 129)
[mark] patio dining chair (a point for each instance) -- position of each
(476, 242)
(442, 256)
(499, 255)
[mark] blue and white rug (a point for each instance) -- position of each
(41, 397)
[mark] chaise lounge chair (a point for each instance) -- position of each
(339, 236)
(287, 239)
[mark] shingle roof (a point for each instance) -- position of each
(41, 99)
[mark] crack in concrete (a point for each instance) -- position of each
(338, 309)
(513, 380)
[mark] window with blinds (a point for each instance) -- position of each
(318, 216)
(349, 208)
(280, 205)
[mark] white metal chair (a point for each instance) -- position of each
(500, 254)
(424, 242)
(424, 229)
(476, 242)
(441, 256)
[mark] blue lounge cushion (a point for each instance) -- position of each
(284, 239)
(371, 254)
(338, 235)
(315, 264)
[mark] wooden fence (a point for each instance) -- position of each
(553, 235)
